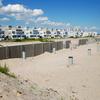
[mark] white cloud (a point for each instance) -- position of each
(16, 8)
(30, 21)
(52, 23)
(20, 12)
(4, 19)
(93, 28)
(21, 16)
(29, 16)
(37, 12)
(41, 19)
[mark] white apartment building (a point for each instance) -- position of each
(20, 32)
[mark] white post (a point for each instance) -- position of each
(64, 44)
(89, 52)
(23, 55)
(98, 47)
(70, 60)
(71, 46)
(54, 50)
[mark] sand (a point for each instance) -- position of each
(80, 81)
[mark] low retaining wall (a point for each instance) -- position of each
(3, 53)
(30, 50)
(47, 47)
(97, 39)
(14, 51)
(67, 44)
(83, 41)
(38, 49)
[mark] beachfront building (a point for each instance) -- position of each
(8, 32)
(48, 33)
(42, 33)
(19, 32)
(89, 34)
(82, 34)
(1, 34)
(36, 32)
(77, 32)
(13, 32)
(63, 33)
(58, 33)
(28, 32)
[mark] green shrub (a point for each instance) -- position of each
(17, 40)
(5, 70)
(43, 40)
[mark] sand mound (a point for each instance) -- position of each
(17, 89)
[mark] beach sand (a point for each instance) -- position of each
(80, 81)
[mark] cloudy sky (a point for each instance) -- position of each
(51, 13)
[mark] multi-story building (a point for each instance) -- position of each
(2, 35)
(19, 32)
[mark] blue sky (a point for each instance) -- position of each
(54, 13)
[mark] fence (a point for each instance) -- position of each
(97, 39)
(31, 50)
(67, 44)
(88, 41)
(83, 41)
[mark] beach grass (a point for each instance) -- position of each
(5, 70)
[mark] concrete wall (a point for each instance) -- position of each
(14, 51)
(97, 39)
(38, 49)
(47, 47)
(3, 52)
(29, 50)
(67, 44)
(34, 49)
(60, 45)
(83, 41)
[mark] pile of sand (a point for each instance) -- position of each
(18, 89)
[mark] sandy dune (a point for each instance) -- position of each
(80, 81)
